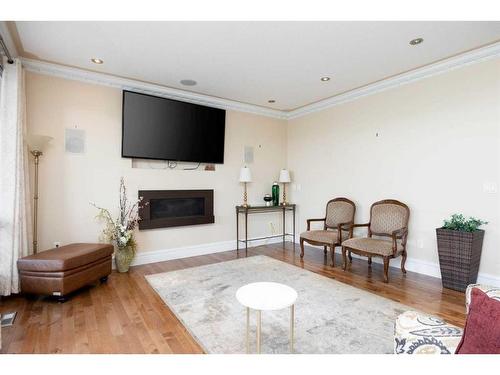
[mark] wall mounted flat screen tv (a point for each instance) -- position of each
(166, 129)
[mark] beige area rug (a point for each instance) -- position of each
(330, 317)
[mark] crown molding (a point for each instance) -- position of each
(104, 79)
(443, 66)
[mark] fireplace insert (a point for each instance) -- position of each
(175, 208)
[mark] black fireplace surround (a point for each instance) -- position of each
(176, 208)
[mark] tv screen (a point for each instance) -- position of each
(166, 129)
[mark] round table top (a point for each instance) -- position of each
(266, 296)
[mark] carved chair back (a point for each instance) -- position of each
(386, 216)
(339, 211)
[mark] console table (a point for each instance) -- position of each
(263, 209)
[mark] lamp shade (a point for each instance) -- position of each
(37, 142)
(245, 175)
(284, 176)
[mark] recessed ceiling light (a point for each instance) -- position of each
(188, 82)
(416, 41)
(271, 101)
(325, 79)
(97, 61)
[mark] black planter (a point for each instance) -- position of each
(459, 257)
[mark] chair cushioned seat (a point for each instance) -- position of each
(418, 333)
(371, 245)
(324, 236)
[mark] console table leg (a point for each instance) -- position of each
(237, 231)
(284, 231)
(246, 231)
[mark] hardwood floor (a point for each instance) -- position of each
(126, 316)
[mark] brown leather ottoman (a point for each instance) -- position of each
(62, 270)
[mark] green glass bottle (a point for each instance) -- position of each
(276, 194)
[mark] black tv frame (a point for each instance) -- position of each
(174, 160)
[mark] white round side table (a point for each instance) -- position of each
(266, 296)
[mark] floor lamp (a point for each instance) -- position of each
(36, 144)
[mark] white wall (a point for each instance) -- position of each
(68, 182)
(438, 143)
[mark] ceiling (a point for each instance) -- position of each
(253, 62)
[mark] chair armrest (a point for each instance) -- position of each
(310, 220)
(344, 226)
(352, 225)
(361, 225)
(401, 234)
(417, 333)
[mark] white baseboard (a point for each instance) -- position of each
(413, 265)
(488, 279)
(431, 269)
(192, 251)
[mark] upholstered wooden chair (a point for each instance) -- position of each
(339, 212)
(388, 218)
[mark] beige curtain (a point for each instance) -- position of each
(15, 207)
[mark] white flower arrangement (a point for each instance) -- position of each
(121, 230)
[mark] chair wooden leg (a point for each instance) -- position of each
(369, 261)
(344, 258)
(386, 269)
(350, 257)
(301, 248)
(325, 249)
(332, 247)
(403, 261)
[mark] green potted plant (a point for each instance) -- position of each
(460, 242)
(120, 231)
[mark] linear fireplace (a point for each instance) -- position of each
(175, 208)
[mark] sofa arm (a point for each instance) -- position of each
(417, 333)
(491, 291)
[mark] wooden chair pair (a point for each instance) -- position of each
(388, 219)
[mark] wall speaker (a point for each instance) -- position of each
(248, 154)
(74, 141)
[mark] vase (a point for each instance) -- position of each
(459, 257)
(123, 258)
(275, 190)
